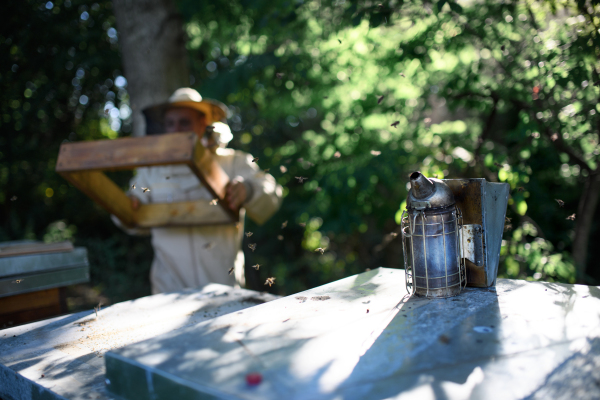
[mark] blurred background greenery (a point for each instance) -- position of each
(353, 95)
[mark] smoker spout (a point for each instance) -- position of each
(421, 187)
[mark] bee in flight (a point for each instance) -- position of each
(145, 189)
(214, 202)
(18, 281)
(571, 217)
(395, 124)
(248, 234)
(256, 267)
(284, 224)
(133, 186)
(270, 281)
(321, 250)
(255, 159)
(302, 224)
(301, 178)
(252, 246)
(560, 202)
(231, 270)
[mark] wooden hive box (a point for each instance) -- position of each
(83, 165)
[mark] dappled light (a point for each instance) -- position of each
(351, 97)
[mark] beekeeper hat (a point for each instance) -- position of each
(214, 110)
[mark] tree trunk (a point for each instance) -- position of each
(153, 50)
(585, 216)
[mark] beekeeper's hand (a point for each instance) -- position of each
(236, 193)
(135, 202)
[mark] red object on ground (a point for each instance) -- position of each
(253, 378)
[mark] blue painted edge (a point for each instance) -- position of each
(14, 386)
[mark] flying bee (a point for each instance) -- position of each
(209, 245)
(279, 75)
(560, 202)
(18, 281)
(231, 270)
(133, 186)
(520, 189)
(320, 250)
(214, 202)
(395, 124)
(168, 177)
(255, 159)
(266, 170)
(571, 217)
(282, 169)
(256, 267)
(375, 152)
(302, 224)
(380, 99)
(402, 75)
(248, 234)
(337, 154)
(279, 237)
(340, 41)
(270, 281)
(284, 224)
(507, 227)
(506, 219)
(252, 246)
(144, 190)
(498, 165)
(301, 179)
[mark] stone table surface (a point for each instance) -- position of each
(363, 337)
(63, 357)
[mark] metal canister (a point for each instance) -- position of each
(430, 238)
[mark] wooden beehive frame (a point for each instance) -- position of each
(83, 165)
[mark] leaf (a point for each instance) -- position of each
(455, 7)
(440, 5)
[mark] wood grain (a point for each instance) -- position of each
(82, 164)
(127, 153)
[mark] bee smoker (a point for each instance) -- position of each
(431, 240)
(451, 234)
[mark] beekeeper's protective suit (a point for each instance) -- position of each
(189, 257)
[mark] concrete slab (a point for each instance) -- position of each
(362, 337)
(63, 357)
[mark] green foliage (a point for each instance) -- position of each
(57, 77)
(502, 90)
(477, 91)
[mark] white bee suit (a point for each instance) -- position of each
(194, 256)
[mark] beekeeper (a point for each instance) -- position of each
(193, 256)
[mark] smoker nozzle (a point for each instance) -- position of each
(421, 187)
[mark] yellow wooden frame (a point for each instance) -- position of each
(83, 163)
